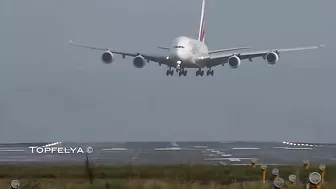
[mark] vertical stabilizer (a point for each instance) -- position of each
(201, 33)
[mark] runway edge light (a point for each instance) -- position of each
(306, 164)
(292, 178)
(315, 180)
(264, 171)
(275, 173)
(253, 162)
(278, 182)
(322, 168)
(15, 184)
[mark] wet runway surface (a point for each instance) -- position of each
(224, 153)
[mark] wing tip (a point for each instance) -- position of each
(321, 46)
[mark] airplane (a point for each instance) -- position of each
(185, 52)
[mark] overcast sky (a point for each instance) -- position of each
(51, 91)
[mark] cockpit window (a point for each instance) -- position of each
(178, 47)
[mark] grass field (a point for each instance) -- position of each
(88, 176)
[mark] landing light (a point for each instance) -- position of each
(167, 57)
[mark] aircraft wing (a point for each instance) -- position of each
(222, 58)
(230, 49)
(158, 59)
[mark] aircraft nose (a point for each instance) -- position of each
(181, 55)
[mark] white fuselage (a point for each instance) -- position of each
(188, 52)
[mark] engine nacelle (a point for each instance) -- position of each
(272, 58)
(234, 61)
(107, 57)
(139, 61)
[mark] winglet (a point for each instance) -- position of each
(321, 46)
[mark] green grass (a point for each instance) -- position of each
(151, 176)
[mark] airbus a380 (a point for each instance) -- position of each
(186, 52)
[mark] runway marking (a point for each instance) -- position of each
(200, 146)
(18, 160)
(230, 159)
(245, 148)
(321, 157)
(174, 144)
(298, 148)
(168, 149)
(245, 164)
(52, 144)
(228, 142)
(280, 147)
(226, 155)
(293, 148)
(233, 159)
(11, 150)
(115, 149)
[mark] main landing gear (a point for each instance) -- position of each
(181, 72)
(170, 72)
(201, 72)
(210, 72)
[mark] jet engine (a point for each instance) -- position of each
(272, 57)
(234, 61)
(107, 57)
(139, 61)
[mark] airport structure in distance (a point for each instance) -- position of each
(219, 153)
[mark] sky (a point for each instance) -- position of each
(51, 91)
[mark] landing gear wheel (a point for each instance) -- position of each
(170, 72)
(200, 72)
(210, 72)
(185, 73)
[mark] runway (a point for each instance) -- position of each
(221, 153)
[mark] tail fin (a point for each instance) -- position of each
(201, 33)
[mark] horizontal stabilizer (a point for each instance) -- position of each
(165, 48)
(230, 49)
